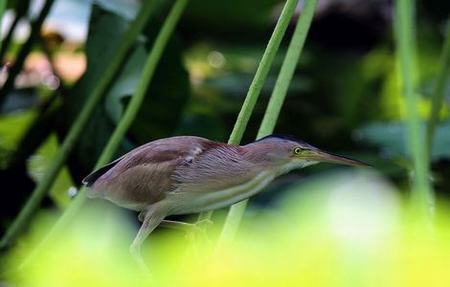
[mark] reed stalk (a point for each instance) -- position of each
(422, 195)
(295, 48)
(258, 81)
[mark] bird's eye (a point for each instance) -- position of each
(297, 150)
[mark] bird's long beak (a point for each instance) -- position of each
(323, 156)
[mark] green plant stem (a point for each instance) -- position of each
(45, 184)
(2, 10)
(20, 11)
(236, 212)
(259, 79)
(129, 115)
(25, 50)
(437, 99)
(422, 193)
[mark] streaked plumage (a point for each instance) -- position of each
(189, 174)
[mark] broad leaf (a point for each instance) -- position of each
(391, 139)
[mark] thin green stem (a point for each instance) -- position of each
(21, 9)
(236, 212)
(262, 71)
(45, 184)
(2, 10)
(437, 99)
(130, 113)
(259, 79)
(36, 27)
(422, 192)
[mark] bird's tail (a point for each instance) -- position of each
(89, 180)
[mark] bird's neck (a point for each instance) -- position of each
(294, 165)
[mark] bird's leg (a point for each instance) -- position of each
(193, 231)
(185, 226)
(179, 225)
(151, 220)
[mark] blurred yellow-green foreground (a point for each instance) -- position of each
(342, 229)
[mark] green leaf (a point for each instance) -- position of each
(235, 13)
(126, 84)
(124, 8)
(170, 85)
(391, 139)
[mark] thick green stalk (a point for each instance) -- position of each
(404, 21)
(129, 115)
(236, 212)
(77, 128)
(36, 27)
(437, 99)
(259, 79)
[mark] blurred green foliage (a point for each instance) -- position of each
(338, 229)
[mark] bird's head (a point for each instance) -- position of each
(288, 153)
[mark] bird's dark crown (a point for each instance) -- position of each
(284, 137)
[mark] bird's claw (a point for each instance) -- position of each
(141, 215)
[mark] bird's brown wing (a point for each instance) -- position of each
(144, 175)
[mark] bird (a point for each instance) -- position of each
(188, 174)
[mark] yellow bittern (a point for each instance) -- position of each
(187, 174)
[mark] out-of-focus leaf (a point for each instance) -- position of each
(204, 125)
(158, 116)
(391, 139)
(166, 98)
(12, 128)
(124, 8)
(38, 165)
(19, 100)
(126, 84)
(234, 13)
